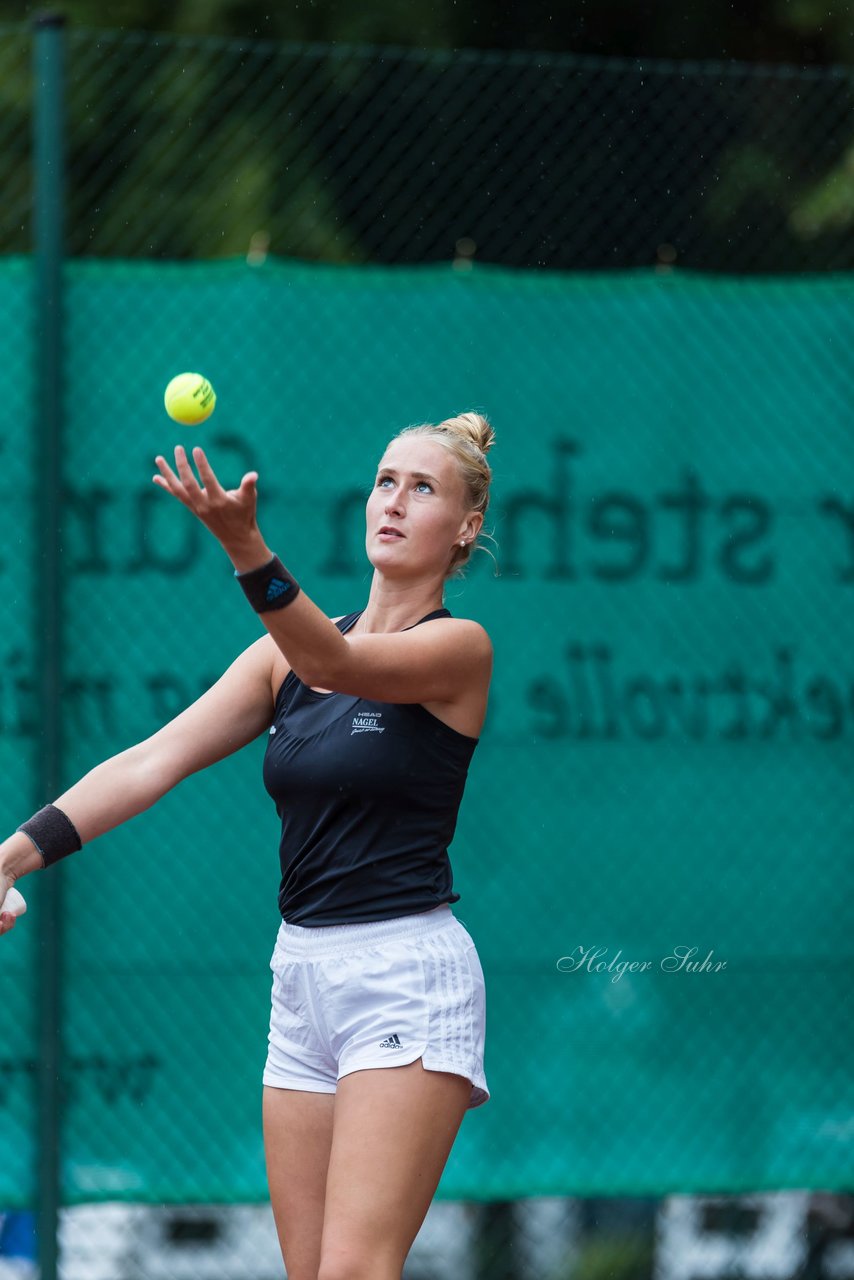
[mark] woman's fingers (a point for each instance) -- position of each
(223, 512)
(212, 485)
(184, 485)
(164, 469)
(185, 472)
(167, 478)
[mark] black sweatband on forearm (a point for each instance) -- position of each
(53, 833)
(270, 587)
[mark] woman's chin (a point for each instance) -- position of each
(392, 562)
(392, 552)
(390, 565)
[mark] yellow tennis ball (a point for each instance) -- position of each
(189, 399)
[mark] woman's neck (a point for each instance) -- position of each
(394, 608)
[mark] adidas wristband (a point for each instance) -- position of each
(53, 833)
(270, 587)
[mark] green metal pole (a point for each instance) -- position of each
(48, 250)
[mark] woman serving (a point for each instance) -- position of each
(377, 1022)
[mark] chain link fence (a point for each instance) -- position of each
(668, 755)
(190, 148)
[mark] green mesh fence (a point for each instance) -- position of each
(16, 90)
(199, 148)
(18, 965)
(667, 760)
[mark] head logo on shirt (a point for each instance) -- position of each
(367, 722)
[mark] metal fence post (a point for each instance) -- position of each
(48, 233)
(496, 1239)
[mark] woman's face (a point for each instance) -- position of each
(417, 510)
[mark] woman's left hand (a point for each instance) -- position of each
(229, 514)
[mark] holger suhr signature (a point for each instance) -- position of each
(680, 960)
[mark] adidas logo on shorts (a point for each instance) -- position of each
(393, 1042)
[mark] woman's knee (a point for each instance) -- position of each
(355, 1263)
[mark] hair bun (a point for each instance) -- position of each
(473, 427)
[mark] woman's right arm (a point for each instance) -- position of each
(232, 713)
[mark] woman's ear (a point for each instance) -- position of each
(472, 527)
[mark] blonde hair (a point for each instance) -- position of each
(469, 437)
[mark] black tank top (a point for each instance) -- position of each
(368, 794)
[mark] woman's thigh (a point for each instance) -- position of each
(297, 1142)
(393, 1131)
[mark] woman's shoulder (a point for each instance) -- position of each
(466, 713)
(467, 630)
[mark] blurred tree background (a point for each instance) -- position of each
(574, 136)
(801, 32)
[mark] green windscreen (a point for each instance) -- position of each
(654, 849)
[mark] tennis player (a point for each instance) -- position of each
(377, 1023)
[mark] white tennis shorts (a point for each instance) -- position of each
(355, 996)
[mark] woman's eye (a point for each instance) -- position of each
(384, 481)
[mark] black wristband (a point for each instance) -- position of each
(53, 833)
(270, 587)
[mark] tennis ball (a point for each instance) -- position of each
(189, 399)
